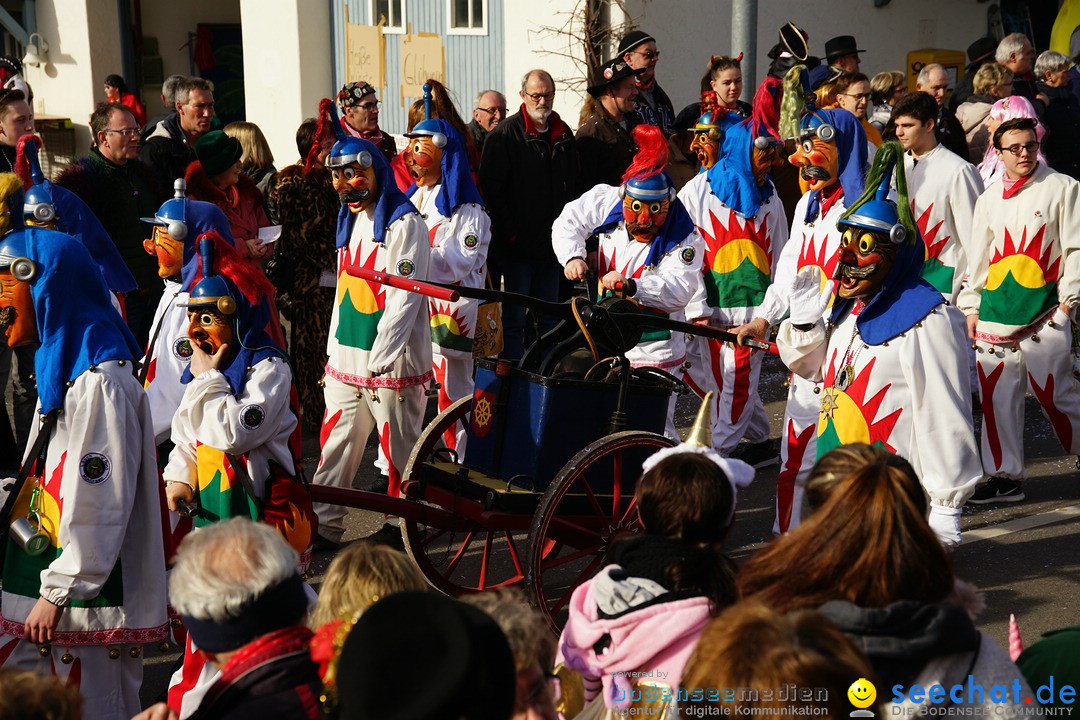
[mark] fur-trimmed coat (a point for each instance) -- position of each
(242, 204)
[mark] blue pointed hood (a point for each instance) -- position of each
(74, 218)
(732, 177)
(457, 185)
(392, 203)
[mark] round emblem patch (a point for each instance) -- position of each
(687, 255)
(252, 416)
(406, 268)
(95, 468)
(471, 241)
(608, 74)
(182, 348)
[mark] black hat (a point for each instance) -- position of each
(422, 656)
(980, 50)
(841, 45)
(610, 73)
(632, 39)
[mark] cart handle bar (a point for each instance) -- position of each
(417, 286)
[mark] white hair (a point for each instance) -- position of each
(1050, 61)
(168, 89)
(541, 73)
(1012, 44)
(924, 74)
(220, 569)
(480, 97)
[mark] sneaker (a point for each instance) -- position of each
(388, 535)
(759, 455)
(998, 489)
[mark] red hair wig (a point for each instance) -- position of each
(327, 119)
(249, 280)
(22, 163)
(652, 154)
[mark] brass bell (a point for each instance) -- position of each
(817, 390)
(135, 651)
(164, 646)
(321, 382)
(176, 622)
(114, 653)
(1035, 338)
(44, 650)
(67, 658)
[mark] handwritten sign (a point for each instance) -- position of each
(365, 54)
(421, 58)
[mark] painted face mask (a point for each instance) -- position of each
(169, 252)
(17, 309)
(210, 329)
(356, 185)
(424, 161)
(762, 160)
(864, 260)
(644, 218)
(817, 158)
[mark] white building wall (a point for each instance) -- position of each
(689, 31)
(286, 68)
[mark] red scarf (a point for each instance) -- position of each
(1011, 187)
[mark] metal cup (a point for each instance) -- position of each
(29, 536)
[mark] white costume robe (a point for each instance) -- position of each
(373, 325)
(740, 259)
(106, 564)
(1024, 265)
(169, 357)
(943, 188)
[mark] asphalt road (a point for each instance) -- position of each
(1024, 557)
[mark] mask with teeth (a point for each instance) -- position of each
(864, 260)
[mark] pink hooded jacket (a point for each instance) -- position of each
(652, 643)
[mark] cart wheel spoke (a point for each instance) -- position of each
(460, 554)
(556, 562)
(514, 557)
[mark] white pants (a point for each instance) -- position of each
(109, 687)
(1041, 362)
(798, 451)
(351, 415)
(732, 372)
(454, 374)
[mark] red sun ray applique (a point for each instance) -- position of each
(612, 263)
(1034, 249)
(721, 236)
(878, 430)
(811, 254)
(934, 245)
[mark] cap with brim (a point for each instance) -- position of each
(610, 73)
(632, 39)
(840, 46)
(980, 50)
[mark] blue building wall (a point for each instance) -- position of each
(473, 62)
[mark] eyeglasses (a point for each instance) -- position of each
(493, 110)
(649, 54)
(369, 106)
(537, 97)
(1016, 150)
(129, 132)
(857, 96)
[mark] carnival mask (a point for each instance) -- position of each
(818, 162)
(706, 146)
(356, 186)
(209, 329)
(764, 160)
(424, 161)
(169, 252)
(17, 310)
(864, 260)
(644, 218)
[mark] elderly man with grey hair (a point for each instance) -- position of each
(236, 587)
(933, 79)
(1016, 53)
(1062, 114)
(528, 171)
(168, 100)
(488, 111)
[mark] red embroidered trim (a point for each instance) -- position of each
(115, 636)
(1021, 334)
(379, 382)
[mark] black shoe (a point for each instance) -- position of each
(996, 490)
(325, 543)
(380, 484)
(388, 535)
(759, 455)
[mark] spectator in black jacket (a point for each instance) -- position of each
(604, 142)
(170, 147)
(638, 50)
(1062, 114)
(528, 171)
(1015, 52)
(934, 81)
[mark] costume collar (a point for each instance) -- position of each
(675, 229)
(1011, 187)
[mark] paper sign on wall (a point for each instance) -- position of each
(421, 58)
(365, 54)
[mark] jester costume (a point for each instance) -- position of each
(890, 359)
(664, 263)
(1024, 265)
(93, 491)
(814, 242)
(379, 345)
(236, 432)
(460, 233)
(744, 229)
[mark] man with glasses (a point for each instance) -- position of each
(528, 171)
(853, 95)
(934, 80)
(1020, 303)
(638, 50)
(360, 116)
(170, 147)
(488, 111)
(119, 189)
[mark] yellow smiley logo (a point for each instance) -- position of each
(862, 693)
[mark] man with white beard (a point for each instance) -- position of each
(529, 170)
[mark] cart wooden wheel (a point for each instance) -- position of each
(586, 508)
(475, 553)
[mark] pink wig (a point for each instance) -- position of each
(1010, 108)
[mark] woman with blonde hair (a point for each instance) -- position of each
(992, 82)
(885, 89)
(360, 575)
(257, 162)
